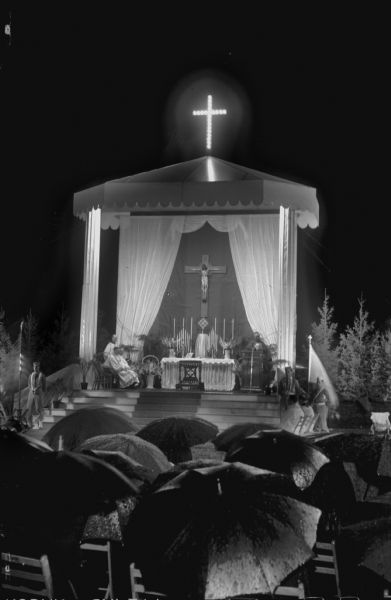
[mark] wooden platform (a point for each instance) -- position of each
(145, 405)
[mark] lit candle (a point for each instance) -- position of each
(215, 326)
(224, 330)
(183, 324)
(232, 329)
(191, 329)
(174, 328)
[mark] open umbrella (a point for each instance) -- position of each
(143, 452)
(49, 504)
(221, 532)
(110, 526)
(85, 423)
(282, 452)
(230, 439)
(198, 463)
(369, 545)
(74, 482)
(20, 445)
(371, 455)
(331, 491)
(137, 473)
(176, 435)
(55, 489)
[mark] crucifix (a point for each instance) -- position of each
(209, 113)
(205, 269)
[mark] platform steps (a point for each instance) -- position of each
(144, 406)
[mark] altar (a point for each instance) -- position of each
(217, 374)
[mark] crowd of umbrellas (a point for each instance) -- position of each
(236, 524)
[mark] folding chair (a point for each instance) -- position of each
(93, 553)
(26, 575)
(288, 591)
(137, 588)
(325, 562)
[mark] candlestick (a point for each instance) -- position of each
(183, 323)
(174, 328)
(232, 329)
(224, 330)
(215, 326)
(191, 330)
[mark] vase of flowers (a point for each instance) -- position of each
(170, 343)
(227, 346)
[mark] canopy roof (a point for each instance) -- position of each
(203, 185)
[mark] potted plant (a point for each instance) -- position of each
(85, 366)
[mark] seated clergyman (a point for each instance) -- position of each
(117, 363)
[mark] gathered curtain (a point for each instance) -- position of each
(147, 252)
(254, 247)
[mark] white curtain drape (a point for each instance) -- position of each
(148, 248)
(254, 248)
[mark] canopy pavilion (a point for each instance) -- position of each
(260, 213)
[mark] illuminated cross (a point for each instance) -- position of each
(209, 113)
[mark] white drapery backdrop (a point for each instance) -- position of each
(147, 251)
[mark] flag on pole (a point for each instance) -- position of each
(316, 370)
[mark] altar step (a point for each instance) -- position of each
(144, 406)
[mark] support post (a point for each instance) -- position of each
(89, 303)
(287, 321)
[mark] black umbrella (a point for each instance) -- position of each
(85, 423)
(371, 455)
(143, 452)
(282, 452)
(133, 470)
(71, 482)
(221, 531)
(331, 491)
(17, 451)
(198, 463)
(176, 435)
(47, 505)
(369, 545)
(231, 438)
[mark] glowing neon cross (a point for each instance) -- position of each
(209, 113)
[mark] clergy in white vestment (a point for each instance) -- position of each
(116, 362)
(202, 345)
(109, 349)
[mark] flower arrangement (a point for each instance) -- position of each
(149, 367)
(169, 342)
(228, 344)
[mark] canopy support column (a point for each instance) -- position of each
(89, 302)
(287, 286)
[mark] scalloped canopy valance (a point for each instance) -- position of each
(203, 185)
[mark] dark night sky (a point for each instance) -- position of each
(84, 98)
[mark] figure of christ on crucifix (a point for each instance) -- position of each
(205, 269)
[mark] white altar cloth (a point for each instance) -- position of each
(217, 374)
